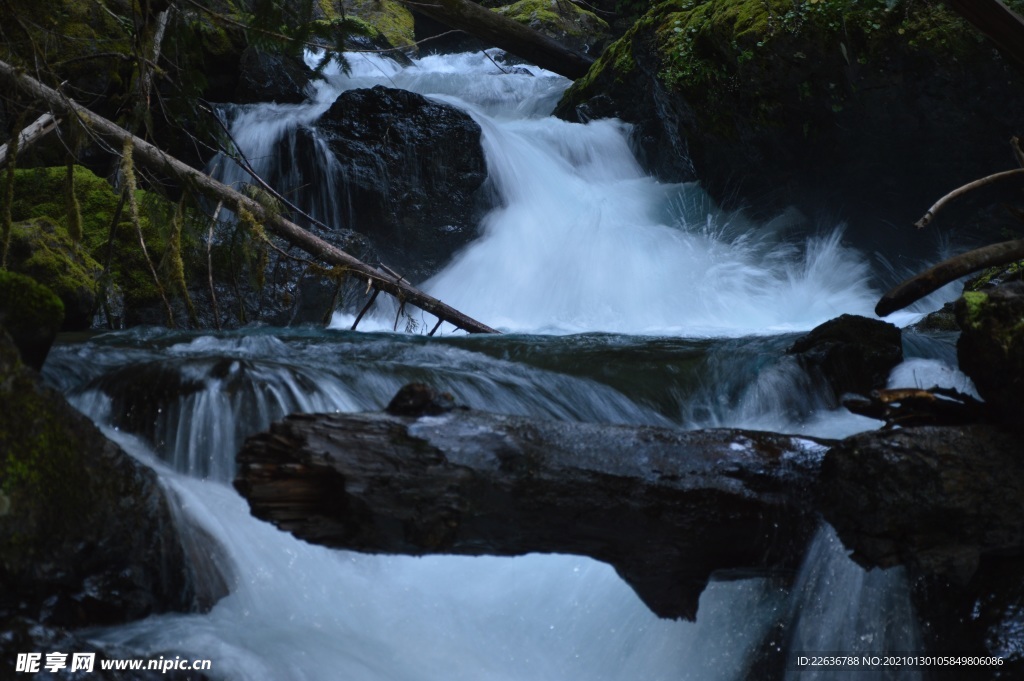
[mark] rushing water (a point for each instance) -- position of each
(630, 301)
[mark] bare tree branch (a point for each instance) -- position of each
(960, 191)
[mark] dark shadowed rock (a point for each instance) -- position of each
(86, 534)
(666, 508)
(991, 347)
(945, 502)
(853, 354)
(271, 77)
(410, 170)
(934, 498)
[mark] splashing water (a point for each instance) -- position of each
(580, 240)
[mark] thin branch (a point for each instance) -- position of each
(960, 191)
(1017, 151)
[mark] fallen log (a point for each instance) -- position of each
(668, 509)
(159, 161)
(509, 35)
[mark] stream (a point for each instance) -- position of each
(624, 300)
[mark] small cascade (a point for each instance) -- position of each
(840, 609)
(581, 249)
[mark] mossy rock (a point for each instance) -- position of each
(88, 37)
(86, 535)
(42, 249)
(40, 193)
(390, 19)
(32, 315)
(991, 347)
(562, 20)
(815, 104)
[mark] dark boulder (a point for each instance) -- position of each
(853, 354)
(86, 533)
(946, 502)
(271, 77)
(862, 112)
(991, 347)
(410, 170)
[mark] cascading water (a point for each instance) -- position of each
(580, 241)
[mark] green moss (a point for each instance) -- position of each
(974, 302)
(28, 306)
(761, 63)
(43, 250)
(996, 275)
(38, 193)
(389, 18)
(771, 52)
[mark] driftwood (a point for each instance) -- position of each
(32, 133)
(666, 508)
(936, 277)
(159, 161)
(511, 36)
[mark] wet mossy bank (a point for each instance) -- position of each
(848, 110)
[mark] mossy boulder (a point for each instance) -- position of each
(42, 249)
(31, 314)
(855, 109)
(386, 19)
(86, 534)
(566, 22)
(40, 193)
(991, 347)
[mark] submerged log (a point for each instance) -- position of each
(668, 509)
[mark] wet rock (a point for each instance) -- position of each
(678, 508)
(410, 170)
(946, 503)
(934, 498)
(86, 535)
(271, 77)
(853, 354)
(991, 347)
(31, 314)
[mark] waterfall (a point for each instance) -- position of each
(580, 250)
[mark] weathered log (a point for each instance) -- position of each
(32, 133)
(160, 162)
(668, 509)
(509, 35)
